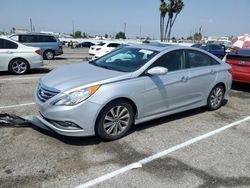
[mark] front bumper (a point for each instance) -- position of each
(83, 115)
(44, 124)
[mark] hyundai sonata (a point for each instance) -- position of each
(130, 85)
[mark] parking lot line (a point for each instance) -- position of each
(17, 105)
(24, 78)
(159, 155)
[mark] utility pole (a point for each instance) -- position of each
(140, 31)
(125, 29)
(31, 27)
(73, 28)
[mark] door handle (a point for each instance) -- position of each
(184, 78)
(213, 71)
(9, 52)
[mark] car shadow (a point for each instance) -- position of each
(32, 71)
(75, 141)
(167, 119)
(245, 87)
(57, 58)
(39, 71)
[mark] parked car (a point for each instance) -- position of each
(18, 58)
(103, 47)
(215, 49)
(240, 63)
(50, 45)
(87, 44)
(129, 85)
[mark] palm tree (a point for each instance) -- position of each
(175, 7)
(163, 12)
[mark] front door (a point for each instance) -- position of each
(167, 92)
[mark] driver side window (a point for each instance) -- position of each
(173, 61)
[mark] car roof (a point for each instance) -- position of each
(155, 46)
(44, 34)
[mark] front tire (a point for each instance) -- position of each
(48, 55)
(216, 98)
(114, 120)
(18, 66)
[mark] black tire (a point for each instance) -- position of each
(121, 122)
(216, 98)
(48, 55)
(19, 66)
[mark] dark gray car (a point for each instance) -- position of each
(50, 45)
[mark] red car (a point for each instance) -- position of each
(240, 63)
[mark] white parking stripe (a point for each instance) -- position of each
(17, 105)
(158, 155)
(23, 78)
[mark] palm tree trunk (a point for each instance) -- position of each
(166, 30)
(171, 26)
(161, 33)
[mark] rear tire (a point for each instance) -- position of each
(48, 55)
(19, 66)
(114, 120)
(216, 98)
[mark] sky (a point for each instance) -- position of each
(217, 17)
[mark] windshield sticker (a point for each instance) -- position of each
(148, 52)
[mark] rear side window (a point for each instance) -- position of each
(216, 47)
(29, 38)
(199, 59)
(173, 61)
(36, 38)
(113, 45)
(47, 39)
(6, 44)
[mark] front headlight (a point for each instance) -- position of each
(76, 97)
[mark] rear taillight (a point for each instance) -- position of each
(38, 52)
(60, 46)
(97, 49)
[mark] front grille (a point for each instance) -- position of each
(44, 93)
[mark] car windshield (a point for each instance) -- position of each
(100, 44)
(126, 59)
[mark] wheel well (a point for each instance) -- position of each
(130, 102)
(48, 50)
(121, 98)
(21, 59)
(223, 85)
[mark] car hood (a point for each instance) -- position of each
(81, 74)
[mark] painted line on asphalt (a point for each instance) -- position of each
(24, 78)
(17, 105)
(158, 155)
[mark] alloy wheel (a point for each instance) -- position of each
(116, 120)
(19, 67)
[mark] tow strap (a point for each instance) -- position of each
(12, 120)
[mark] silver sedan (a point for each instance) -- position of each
(130, 85)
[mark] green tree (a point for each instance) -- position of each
(78, 34)
(106, 36)
(120, 35)
(190, 38)
(197, 36)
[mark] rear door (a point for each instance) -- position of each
(203, 72)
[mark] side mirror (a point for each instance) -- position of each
(157, 71)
